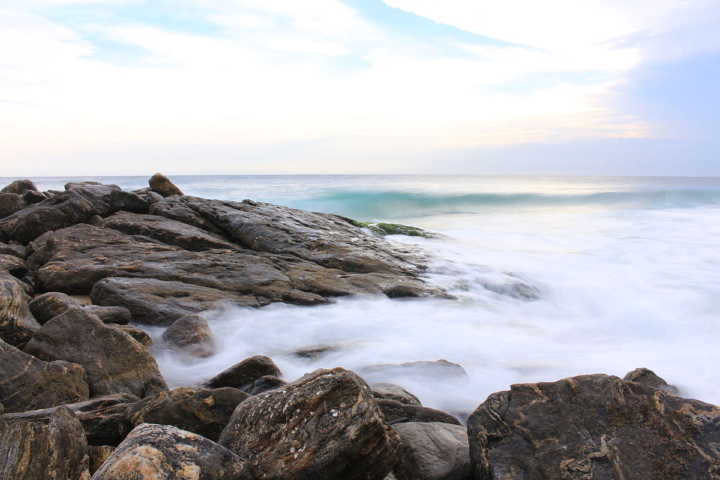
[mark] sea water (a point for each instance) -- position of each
(553, 277)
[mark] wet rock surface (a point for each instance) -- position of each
(191, 334)
(324, 426)
(593, 427)
(245, 373)
(161, 452)
(396, 412)
(433, 451)
(389, 391)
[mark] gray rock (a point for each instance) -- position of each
(198, 410)
(162, 452)
(49, 305)
(324, 426)
(28, 383)
(390, 391)
(243, 374)
(114, 361)
(396, 412)
(433, 451)
(117, 315)
(191, 334)
(53, 448)
(31, 196)
(265, 384)
(17, 324)
(649, 378)
(595, 427)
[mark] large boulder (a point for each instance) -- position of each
(63, 210)
(39, 449)
(10, 203)
(162, 452)
(114, 361)
(28, 383)
(160, 302)
(594, 427)
(49, 305)
(191, 334)
(167, 231)
(433, 451)
(324, 426)
(198, 410)
(105, 419)
(19, 187)
(161, 184)
(17, 324)
(243, 374)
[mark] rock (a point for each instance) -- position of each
(433, 451)
(419, 371)
(114, 361)
(191, 334)
(158, 302)
(390, 391)
(31, 196)
(54, 448)
(316, 352)
(13, 249)
(324, 426)
(13, 265)
(17, 325)
(265, 384)
(98, 455)
(649, 378)
(593, 427)
(384, 229)
(18, 187)
(197, 410)
(159, 183)
(243, 374)
(107, 199)
(117, 315)
(176, 209)
(396, 412)
(61, 211)
(27, 383)
(49, 305)
(161, 452)
(167, 231)
(136, 333)
(10, 203)
(105, 419)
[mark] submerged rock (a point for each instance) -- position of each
(162, 452)
(243, 374)
(191, 334)
(324, 426)
(433, 451)
(593, 427)
(38, 449)
(114, 362)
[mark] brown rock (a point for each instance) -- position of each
(17, 325)
(13, 265)
(136, 333)
(396, 412)
(114, 361)
(198, 410)
(19, 187)
(13, 249)
(53, 448)
(10, 203)
(243, 374)
(265, 384)
(390, 391)
(162, 452)
(324, 426)
(27, 383)
(594, 427)
(159, 183)
(49, 305)
(98, 455)
(118, 315)
(423, 370)
(649, 378)
(192, 335)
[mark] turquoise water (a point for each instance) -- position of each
(623, 272)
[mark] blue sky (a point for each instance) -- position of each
(359, 86)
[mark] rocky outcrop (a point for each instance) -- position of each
(396, 412)
(191, 334)
(593, 427)
(51, 448)
(17, 325)
(243, 374)
(27, 383)
(198, 410)
(114, 361)
(390, 391)
(324, 426)
(161, 184)
(161, 452)
(433, 451)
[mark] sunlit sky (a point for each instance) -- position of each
(102, 87)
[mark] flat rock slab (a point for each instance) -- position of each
(161, 452)
(325, 426)
(593, 427)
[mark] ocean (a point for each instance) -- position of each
(553, 277)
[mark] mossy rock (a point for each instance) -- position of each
(384, 229)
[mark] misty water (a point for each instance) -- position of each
(553, 277)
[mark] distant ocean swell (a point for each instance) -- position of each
(396, 204)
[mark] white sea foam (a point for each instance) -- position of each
(618, 288)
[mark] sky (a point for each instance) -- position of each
(126, 87)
